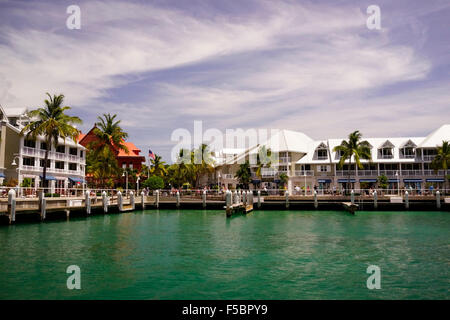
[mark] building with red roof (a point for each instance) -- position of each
(131, 159)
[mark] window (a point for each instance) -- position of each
(73, 166)
(73, 151)
(130, 165)
(43, 145)
(323, 168)
(28, 162)
(59, 164)
(386, 153)
(29, 143)
(81, 153)
(61, 149)
(124, 165)
(322, 154)
(408, 152)
(42, 161)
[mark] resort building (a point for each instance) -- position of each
(22, 158)
(312, 164)
(131, 159)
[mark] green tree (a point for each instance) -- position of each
(442, 160)
(158, 167)
(355, 148)
(154, 183)
(243, 174)
(283, 179)
(52, 123)
(203, 162)
(109, 133)
(102, 165)
(263, 160)
(383, 181)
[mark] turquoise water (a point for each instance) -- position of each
(195, 254)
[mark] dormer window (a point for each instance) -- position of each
(386, 150)
(407, 151)
(322, 152)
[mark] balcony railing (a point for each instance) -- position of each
(299, 173)
(345, 173)
(284, 159)
(428, 157)
(367, 172)
(39, 153)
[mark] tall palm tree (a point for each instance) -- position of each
(442, 160)
(52, 123)
(102, 165)
(158, 167)
(354, 147)
(203, 162)
(263, 160)
(109, 133)
(244, 174)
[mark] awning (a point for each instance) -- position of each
(76, 180)
(367, 180)
(47, 177)
(412, 180)
(254, 181)
(324, 181)
(277, 180)
(435, 180)
(394, 180)
(2, 175)
(346, 180)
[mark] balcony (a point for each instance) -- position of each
(300, 173)
(39, 153)
(345, 173)
(429, 157)
(367, 172)
(284, 159)
(412, 172)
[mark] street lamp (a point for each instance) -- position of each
(14, 163)
(125, 173)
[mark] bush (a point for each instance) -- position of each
(153, 183)
(52, 195)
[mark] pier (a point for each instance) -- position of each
(17, 209)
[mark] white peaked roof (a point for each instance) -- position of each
(287, 140)
(436, 137)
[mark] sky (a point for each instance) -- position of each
(309, 66)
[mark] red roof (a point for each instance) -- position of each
(133, 150)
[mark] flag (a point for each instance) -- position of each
(151, 154)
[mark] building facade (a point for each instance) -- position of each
(312, 164)
(22, 158)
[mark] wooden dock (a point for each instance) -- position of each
(350, 207)
(238, 208)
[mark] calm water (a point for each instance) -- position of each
(170, 254)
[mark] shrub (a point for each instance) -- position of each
(154, 183)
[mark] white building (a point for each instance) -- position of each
(309, 163)
(22, 158)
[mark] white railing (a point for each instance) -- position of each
(407, 156)
(367, 172)
(302, 172)
(343, 173)
(27, 151)
(284, 159)
(429, 157)
(385, 156)
(412, 172)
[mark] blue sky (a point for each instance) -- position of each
(311, 66)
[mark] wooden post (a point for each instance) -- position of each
(105, 202)
(143, 200)
(178, 198)
(204, 198)
(438, 199)
(259, 199)
(43, 209)
(375, 199)
(352, 197)
(12, 205)
(41, 196)
(287, 199)
(244, 198)
(119, 201)
(133, 206)
(406, 200)
(316, 203)
(87, 202)
(157, 199)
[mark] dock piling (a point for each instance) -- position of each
(375, 199)
(316, 203)
(178, 199)
(105, 202)
(12, 205)
(204, 199)
(132, 202)
(88, 202)
(119, 201)
(143, 200)
(438, 199)
(352, 197)
(43, 209)
(157, 199)
(406, 200)
(286, 194)
(259, 199)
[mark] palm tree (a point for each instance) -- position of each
(158, 167)
(53, 123)
(203, 162)
(442, 160)
(354, 147)
(102, 165)
(109, 134)
(263, 160)
(244, 174)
